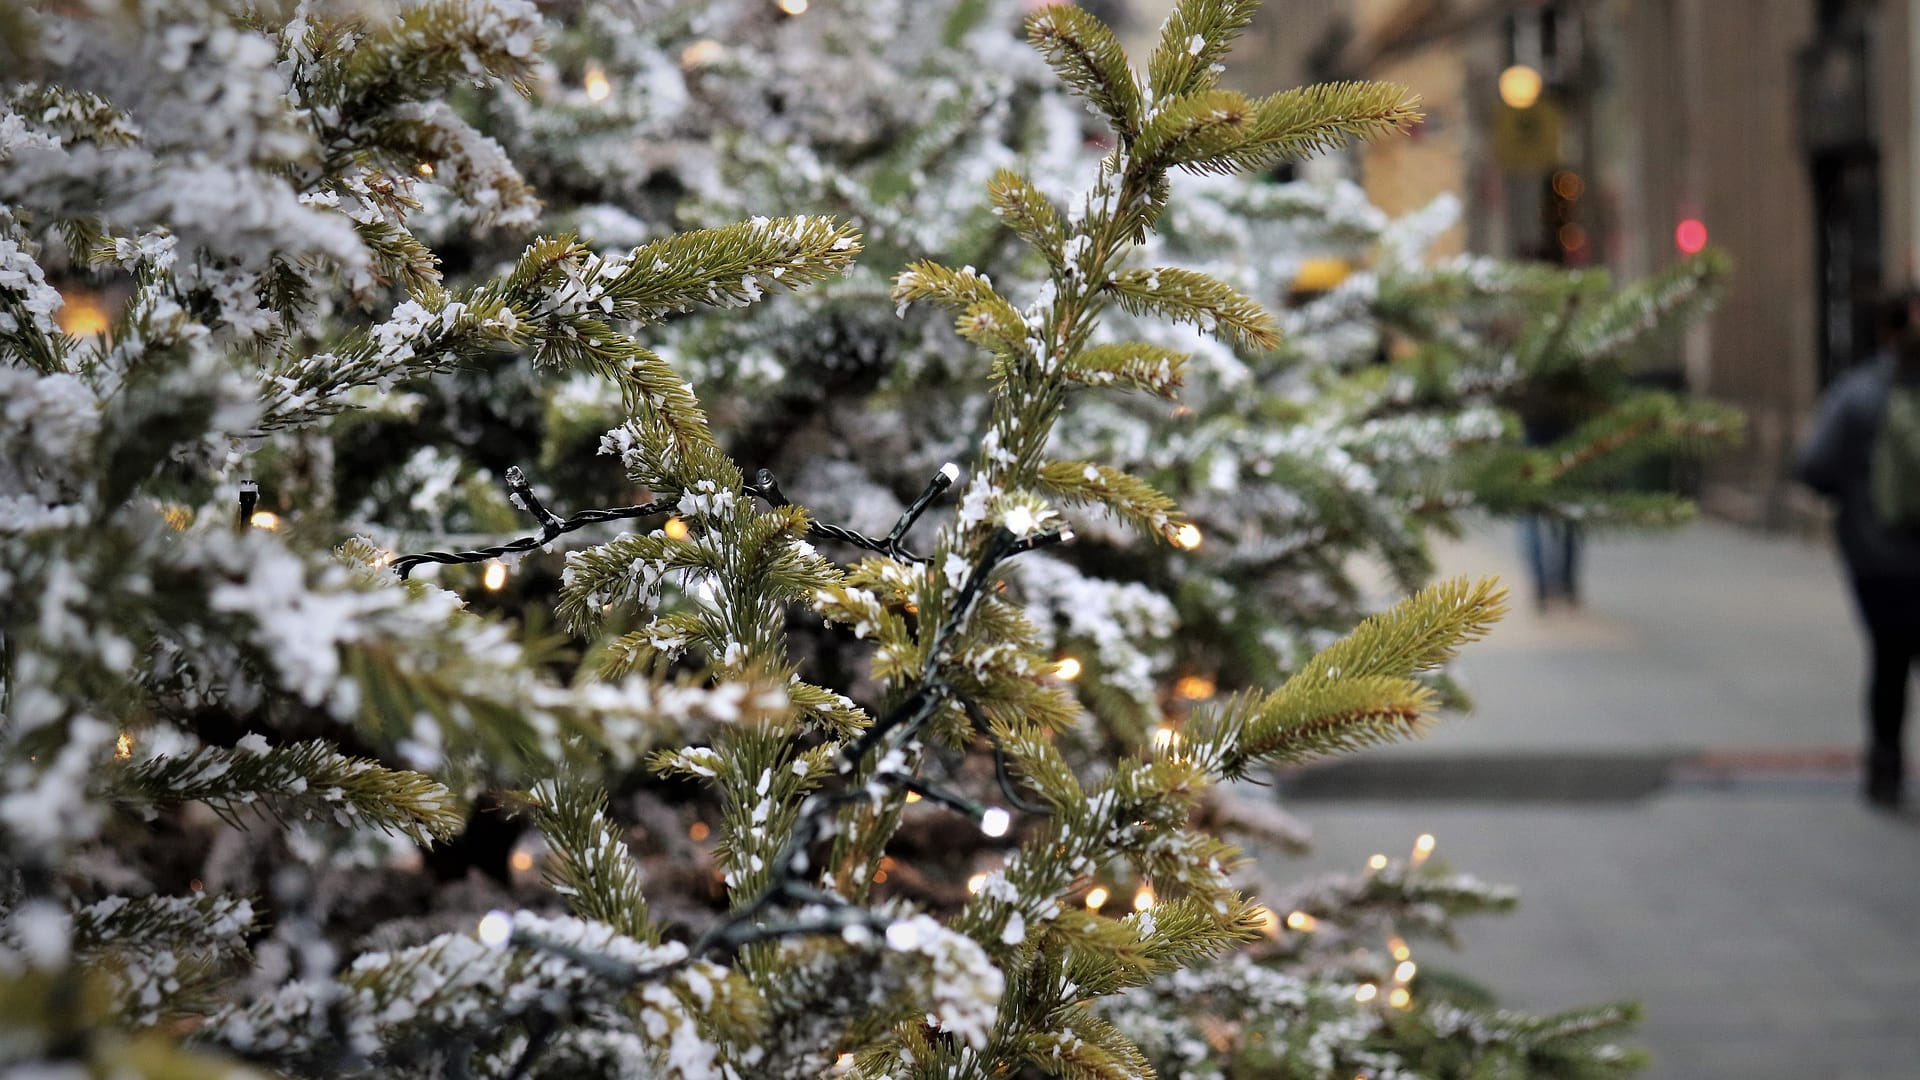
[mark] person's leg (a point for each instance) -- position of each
(1534, 541)
(1891, 656)
(1570, 562)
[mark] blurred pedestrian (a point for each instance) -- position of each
(1864, 453)
(1555, 406)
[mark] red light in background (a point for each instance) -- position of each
(1690, 236)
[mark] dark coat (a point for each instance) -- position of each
(1835, 462)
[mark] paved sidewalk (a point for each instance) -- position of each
(1666, 777)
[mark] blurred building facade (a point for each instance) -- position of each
(1784, 130)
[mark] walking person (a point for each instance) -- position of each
(1864, 453)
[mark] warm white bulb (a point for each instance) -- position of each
(793, 7)
(1520, 86)
(1366, 993)
(976, 883)
(1404, 971)
(950, 471)
(995, 821)
(496, 929)
(1143, 899)
(495, 577)
(1066, 668)
(597, 86)
(1187, 536)
(1164, 738)
(264, 519)
(1377, 862)
(1302, 922)
(903, 936)
(1096, 898)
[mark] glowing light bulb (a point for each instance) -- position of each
(792, 7)
(1096, 898)
(1164, 738)
(1422, 847)
(1269, 922)
(264, 519)
(698, 831)
(425, 168)
(81, 316)
(843, 1063)
(976, 883)
(597, 86)
(1366, 993)
(675, 529)
(496, 929)
(1690, 236)
(903, 936)
(123, 747)
(1302, 922)
(1195, 687)
(1187, 537)
(995, 821)
(1403, 972)
(495, 576)
(1400, 999)
(1399, 948)
(1067, 669)
(701, 53)
(1143, 899)
(1520, 86)
(913, 796)
(1376, 862)
(521, 861)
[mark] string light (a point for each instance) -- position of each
(496, 929)
(1422, 848)
(123, 746)
(1376, 862)
(994, 821)
(1144, 898)
(792, 7)
(521, 861)
(82, 316)
(1165, 739)
(598, 88)
(1195, 687)
(1403, 973)
(1301, 921)
(1366, 993)
(1269, 922)
(698, 831)
(264, 519)
(976, 883)
(177, 517)
(675, 529)
(425, 168)
(701, 53)
(1067, 669)
(1096, 898)
(1399, 948)
(1187, 537)
(495, 576)
(903, 936)
(913, 796)
(1520, 86)
(843, 1064)
(1400, 999)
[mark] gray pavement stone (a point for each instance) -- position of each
(1771, 925)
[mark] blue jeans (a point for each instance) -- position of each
(1553, 553)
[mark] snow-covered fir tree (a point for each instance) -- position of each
(861, 816)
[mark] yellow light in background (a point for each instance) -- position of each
(1187, 536)
(843, 1064)
(264, 519)
(698, 831)
(598, 88)
(123, 746)
(1399, 948)
(1400, 999)
(792, 7)
(81, 315)
(1366, 993)
(701, 53)
(1067, 668)
(1320, 275)
(495, 577)
(1195, 687)
(425, 168)
(1096, 898)
(675, 529)
(1422, 847)
(1376, 862)
(521, 861)
(1520, 86)
(913, 796)
(1164, 738)
(1269, 922)
(1302, 922)
(1143, 899)
(976, 883)
(1403, 973)
(176, 517)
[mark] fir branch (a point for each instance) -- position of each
(1195, 37)
(1089, 59)
(1192, 297)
